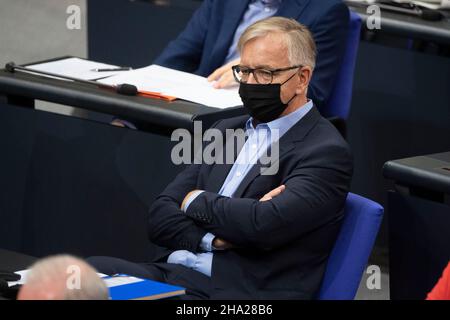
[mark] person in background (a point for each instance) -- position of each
(54, 278)
(208, 44)
(441, 290)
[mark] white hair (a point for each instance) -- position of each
(53, 274)
(299, 40)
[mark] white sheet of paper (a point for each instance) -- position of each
(179, 84)
(444, 4)
(121, 280)
(430, 4)
(23, 274)
(76, 68)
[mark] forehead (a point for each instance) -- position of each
(269, 50)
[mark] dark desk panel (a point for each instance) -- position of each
(419, 223)
(409, 26)
(13, 261)
(419, 245)
(22, 89)
(74, 186)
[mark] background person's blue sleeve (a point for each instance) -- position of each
(185, 52)
(330, 34)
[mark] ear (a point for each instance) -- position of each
(304, 75)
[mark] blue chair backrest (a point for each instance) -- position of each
(346, 264)
(341, 96)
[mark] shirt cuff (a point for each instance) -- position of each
(203, 263)
(191, 198)
(183, 257)
(206, 243)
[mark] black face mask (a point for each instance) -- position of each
(263, 101)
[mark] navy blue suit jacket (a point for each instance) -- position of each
(282, 244)
(203, 45)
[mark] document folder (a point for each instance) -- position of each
(125, 287)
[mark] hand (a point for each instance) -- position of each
(183, 204)
(221, 244)
(273, 193)
(224, 75)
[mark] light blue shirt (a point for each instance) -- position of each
(259, 139)
(257, 10)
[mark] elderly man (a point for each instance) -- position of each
(208, 44)
(63, 277)
(234, 231)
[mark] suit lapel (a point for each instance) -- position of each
(219, 172)
(286, 144)
(217, 177)
(287, 7)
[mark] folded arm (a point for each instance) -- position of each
(313, 197)
(168, 226)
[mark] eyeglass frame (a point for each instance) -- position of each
(272, 72)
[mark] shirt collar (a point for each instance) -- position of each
(284, 123)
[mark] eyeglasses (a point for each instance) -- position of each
(262, 76)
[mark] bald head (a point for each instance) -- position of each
(63, 277)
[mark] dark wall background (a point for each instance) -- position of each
(77, 186)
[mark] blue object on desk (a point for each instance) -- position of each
(143, 290)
